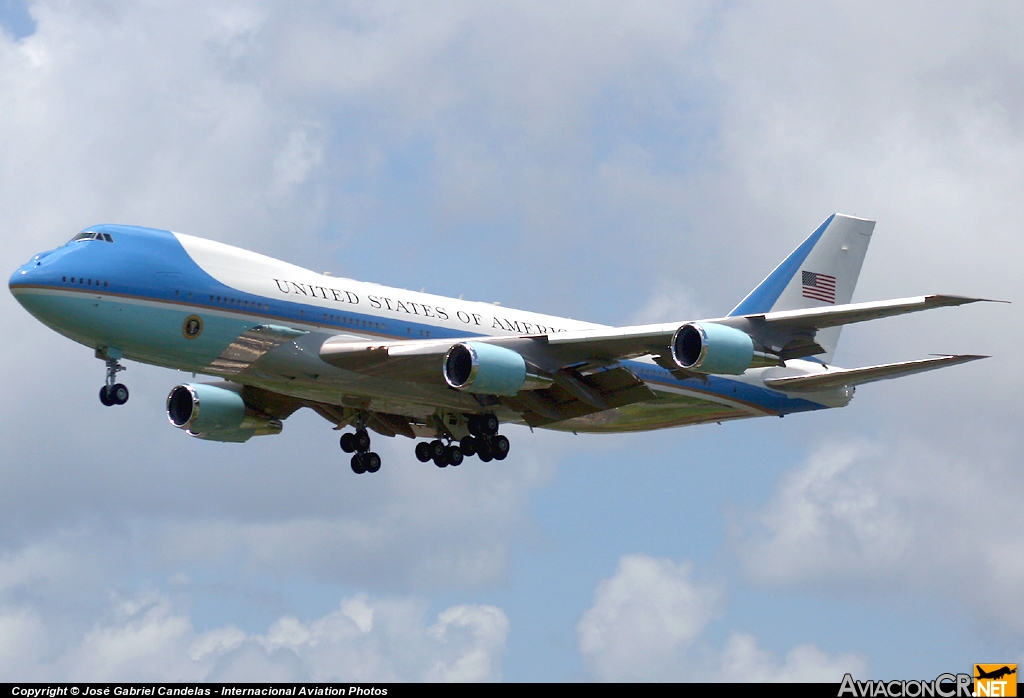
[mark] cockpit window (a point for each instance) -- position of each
(90, 235)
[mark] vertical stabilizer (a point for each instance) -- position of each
(819, 273)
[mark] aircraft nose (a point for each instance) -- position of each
(23, 275)
(27, 274)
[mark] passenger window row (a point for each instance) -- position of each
(345, 320)
(80, 281)
(253, 305)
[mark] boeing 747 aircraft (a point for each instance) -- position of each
(373, 358)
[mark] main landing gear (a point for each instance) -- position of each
(484, 442)
(358, 443)
(113, 393)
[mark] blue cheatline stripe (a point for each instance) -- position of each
(762, 298)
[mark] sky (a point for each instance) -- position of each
(614, 162)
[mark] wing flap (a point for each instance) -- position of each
(617, 387)
(839, 377)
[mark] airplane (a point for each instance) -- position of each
(995, 674)
(372, 358)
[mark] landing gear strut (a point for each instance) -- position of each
(358, 443)
(113, 393)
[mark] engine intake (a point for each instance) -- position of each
(712, 348)
(479, 367)
(217, 412)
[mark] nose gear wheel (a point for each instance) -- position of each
(113, 393)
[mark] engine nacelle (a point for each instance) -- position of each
(217, 412)
(712, 348)
(479, 367)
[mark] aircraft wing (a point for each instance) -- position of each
(789, 334)
(576, 387)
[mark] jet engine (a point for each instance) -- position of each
(479, 367)
(712, 348)
(217, 412)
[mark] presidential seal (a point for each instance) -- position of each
(192, 327)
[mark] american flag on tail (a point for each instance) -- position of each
(820, 287)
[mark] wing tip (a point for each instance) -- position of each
(951, 299)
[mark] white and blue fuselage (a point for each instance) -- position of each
(181, 302)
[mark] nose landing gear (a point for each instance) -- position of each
(112, 393)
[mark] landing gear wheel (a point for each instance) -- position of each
(348, 443)
(118, 394)
(483, 451)
(112, 393)
(358, 466)
(500, 446)
(453, 454)
(440, 461)
(473, 424)
(468, 446)
(489, 424)
(361, 440)
(423, 452)
(436, 449)
(371, 461)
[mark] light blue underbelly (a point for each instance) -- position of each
(147, 332)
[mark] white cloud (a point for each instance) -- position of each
(741, 660)
(145, 638)
(897, 517)
(648, 623)
(643, 617)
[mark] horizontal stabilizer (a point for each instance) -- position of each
(839, 377)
